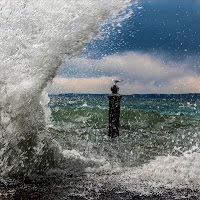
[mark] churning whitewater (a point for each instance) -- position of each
(34, 37)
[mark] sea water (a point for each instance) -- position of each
(158, 144)
(148, 127)
(57, 147)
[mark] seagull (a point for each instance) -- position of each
(116, 81)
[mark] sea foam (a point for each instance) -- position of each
(34, 36)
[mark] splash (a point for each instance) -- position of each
(167, 176)
(34, 36)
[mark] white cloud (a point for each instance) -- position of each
(143, 73)
(143, 66)
(98, 85)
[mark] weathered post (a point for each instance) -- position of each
(114, 111)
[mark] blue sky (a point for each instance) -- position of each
(156, 50)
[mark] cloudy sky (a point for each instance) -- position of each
(156, 50)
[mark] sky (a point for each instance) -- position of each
(156, 50)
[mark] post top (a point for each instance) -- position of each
(114, 89)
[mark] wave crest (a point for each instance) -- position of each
(34, 36)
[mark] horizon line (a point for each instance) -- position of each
(125, 94)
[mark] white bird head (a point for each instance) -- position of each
(116, 81)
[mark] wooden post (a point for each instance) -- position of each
(114, 112)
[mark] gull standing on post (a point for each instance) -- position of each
(116, 81)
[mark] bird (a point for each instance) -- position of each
(116, 81)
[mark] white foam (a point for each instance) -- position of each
(34, 35)
(84, 105)
(87, 164)
(169, 172)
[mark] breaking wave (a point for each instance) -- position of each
(34, 36)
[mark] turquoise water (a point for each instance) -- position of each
(148, 127)
(155, 157)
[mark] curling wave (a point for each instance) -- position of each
(34, 36)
